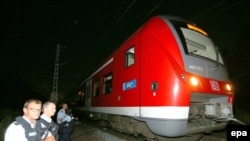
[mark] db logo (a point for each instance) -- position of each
(238, 133)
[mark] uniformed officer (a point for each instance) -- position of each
(68, 122)
(45, 123)
(24, 128)
(60, 116)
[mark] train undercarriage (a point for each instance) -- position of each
(197, 123)
(205, 116)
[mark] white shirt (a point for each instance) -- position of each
(46, 118)
(61, 115)
(16, 132)
(67, 118)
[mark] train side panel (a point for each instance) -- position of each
(164, 99)
(160, 57)
(128, 76)
(124, 97)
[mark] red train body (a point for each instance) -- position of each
(168, 74)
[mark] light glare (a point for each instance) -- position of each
(228, 87)
(194, 81)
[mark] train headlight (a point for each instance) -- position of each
(228, 87)
(194, 81)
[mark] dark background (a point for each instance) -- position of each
(91, 29)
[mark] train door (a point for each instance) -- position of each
(88, 94)
(129, 78)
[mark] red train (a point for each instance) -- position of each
(168, 76)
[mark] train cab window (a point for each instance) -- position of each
(107, 83)
(96, 88)
(199, 44)
(130, 56)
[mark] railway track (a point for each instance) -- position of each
(91, 130)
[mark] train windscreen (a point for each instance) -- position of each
(199, 44)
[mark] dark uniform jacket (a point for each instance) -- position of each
(47, 127)
(32, 134)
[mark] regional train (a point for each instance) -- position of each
(168, 79)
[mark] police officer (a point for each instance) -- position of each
(60, 117)
(24, 128)
(68, 122)
(45, 123)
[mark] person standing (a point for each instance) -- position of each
(46, 124)
(24, 127)
(60, 116)
(68, 125)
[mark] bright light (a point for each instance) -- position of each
(79, 93)
(194, 81)
(196, 29)
(228, 87)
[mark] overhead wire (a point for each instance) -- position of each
(126, 11)
(206, 11)
(153, 9)
(109, 30)
(117, 12)
(198, 17)
(142, 19)
(118, 20)
(219, 11)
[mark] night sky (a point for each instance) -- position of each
(91, 29)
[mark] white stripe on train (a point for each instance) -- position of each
(162, 112)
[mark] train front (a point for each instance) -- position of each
(211, 92)
(197, 87)
(206, 78)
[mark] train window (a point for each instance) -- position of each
(107, 84)
(96, 88)
(200, 45)
(130, 56)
